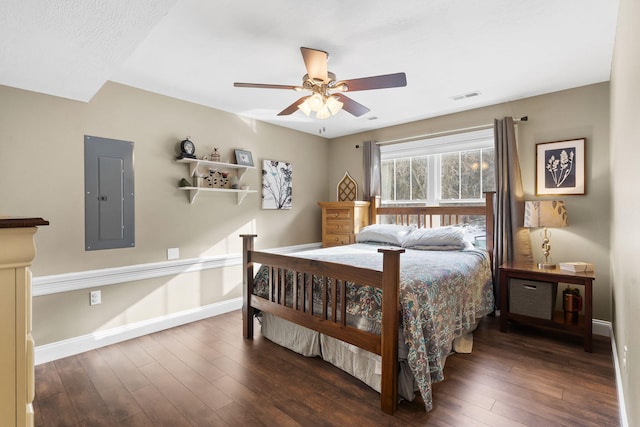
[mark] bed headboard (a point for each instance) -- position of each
(436, 216)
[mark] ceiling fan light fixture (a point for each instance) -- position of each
(315, 102)
(324, 98)
(323, 113)
(334, 105)
(304, 107)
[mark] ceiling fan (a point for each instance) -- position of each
(326, 96)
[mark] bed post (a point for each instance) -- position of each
(390, 328)
(373, 209)
(489, 215)
(247, 286)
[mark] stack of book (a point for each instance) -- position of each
(576, 267)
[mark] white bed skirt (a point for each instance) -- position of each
(359, 363)
(290, 335)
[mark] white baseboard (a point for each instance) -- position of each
(57, 350)
(622, 408)
(601, 327)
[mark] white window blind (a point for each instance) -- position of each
(438, 145)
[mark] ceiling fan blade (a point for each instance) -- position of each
(292, 108)
(352, 106)
(266, 86)
(316, 63)
(375, 82)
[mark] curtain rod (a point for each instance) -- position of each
(446, 132)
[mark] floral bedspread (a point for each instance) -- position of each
(442, 293)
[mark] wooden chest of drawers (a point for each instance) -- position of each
(342, 220)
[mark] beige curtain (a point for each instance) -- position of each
(372, 172)
(512, 242)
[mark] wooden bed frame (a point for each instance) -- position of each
(386, 344)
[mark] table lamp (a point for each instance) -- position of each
(545, 213)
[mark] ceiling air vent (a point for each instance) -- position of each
(465, 95)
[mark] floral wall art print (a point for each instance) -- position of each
(560, 167)
(276, 185)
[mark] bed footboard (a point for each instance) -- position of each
(330, 318)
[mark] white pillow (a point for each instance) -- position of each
(470, 232)
(441, 238)
(390, 234)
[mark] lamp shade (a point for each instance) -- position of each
(545, 213)
(334, 104)
(304, 107)
(323, 113)
(316, 102)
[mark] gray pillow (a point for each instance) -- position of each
(441, 238)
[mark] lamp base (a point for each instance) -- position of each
(546, 266)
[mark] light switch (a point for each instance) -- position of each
(173, 253)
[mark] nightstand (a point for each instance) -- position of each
(341, 221)
(531, 277)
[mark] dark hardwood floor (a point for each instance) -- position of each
(206, 374)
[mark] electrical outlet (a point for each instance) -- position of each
(95, 297)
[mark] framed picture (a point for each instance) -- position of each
(560, 167)
(276, 185)
(243, 158)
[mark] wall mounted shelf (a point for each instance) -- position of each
(194, 191)
(195, 164)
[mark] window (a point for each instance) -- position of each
(452, 168)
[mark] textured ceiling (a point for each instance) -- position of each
(70, 48)
(195, 49)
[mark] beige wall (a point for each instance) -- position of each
(576, 113)
(42, 174)
(625, 190)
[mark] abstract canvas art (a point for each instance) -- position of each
(276, 185)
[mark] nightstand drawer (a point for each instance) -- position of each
(338, 214)
(532, 298)
(337, 239)
(339, 227)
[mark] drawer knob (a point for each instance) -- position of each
(336, 214)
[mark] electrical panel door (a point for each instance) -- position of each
(109, 193)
